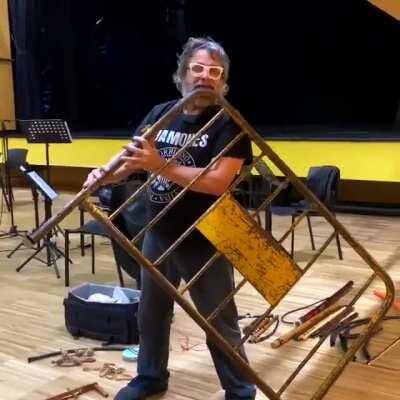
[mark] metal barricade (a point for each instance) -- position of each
(257, 256)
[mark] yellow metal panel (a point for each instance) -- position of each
(251, 250)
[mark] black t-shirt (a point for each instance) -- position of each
(199, 154)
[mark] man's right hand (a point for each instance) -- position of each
(94, 175)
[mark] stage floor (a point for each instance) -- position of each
(32, 319)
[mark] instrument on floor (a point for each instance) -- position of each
(74, 393)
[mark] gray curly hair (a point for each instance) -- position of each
(191, 46)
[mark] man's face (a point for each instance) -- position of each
(203, 72)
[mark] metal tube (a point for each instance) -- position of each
(48, 225)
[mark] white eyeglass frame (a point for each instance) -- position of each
(207, 68)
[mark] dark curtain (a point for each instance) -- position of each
(296, 66)
(94, 64)
(309, 63)
(25, 21)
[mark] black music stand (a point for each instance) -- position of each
(45, 131)
(49, 195)
(5, 183)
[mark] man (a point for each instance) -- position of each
(202, 64)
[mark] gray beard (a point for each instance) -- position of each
(200, 103)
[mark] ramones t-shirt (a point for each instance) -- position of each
(168, 141)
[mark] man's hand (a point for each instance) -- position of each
(93, 176)
(143, 155)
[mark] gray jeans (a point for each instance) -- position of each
(156, 309)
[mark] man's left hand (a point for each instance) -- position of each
(143, 155)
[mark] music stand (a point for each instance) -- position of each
(5, 183)
(45, 131)
(49, 195)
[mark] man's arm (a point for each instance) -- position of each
(215, 181)
(118, 175)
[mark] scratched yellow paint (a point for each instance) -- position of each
(251, 250)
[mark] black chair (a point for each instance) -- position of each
(110, 198)
(130, 222)
(15, 158)
(92, 228)
(251, 192)
(323, 181)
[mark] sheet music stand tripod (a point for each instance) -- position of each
(49, 195)
(45, 131)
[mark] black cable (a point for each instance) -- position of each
(299, 309)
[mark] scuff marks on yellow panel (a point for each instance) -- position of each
(251, 250)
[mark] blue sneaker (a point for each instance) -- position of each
(141, 388)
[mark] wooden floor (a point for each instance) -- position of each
(32, 320)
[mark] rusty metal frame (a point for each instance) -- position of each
(204, 321)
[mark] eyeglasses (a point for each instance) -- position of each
(213, 71)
